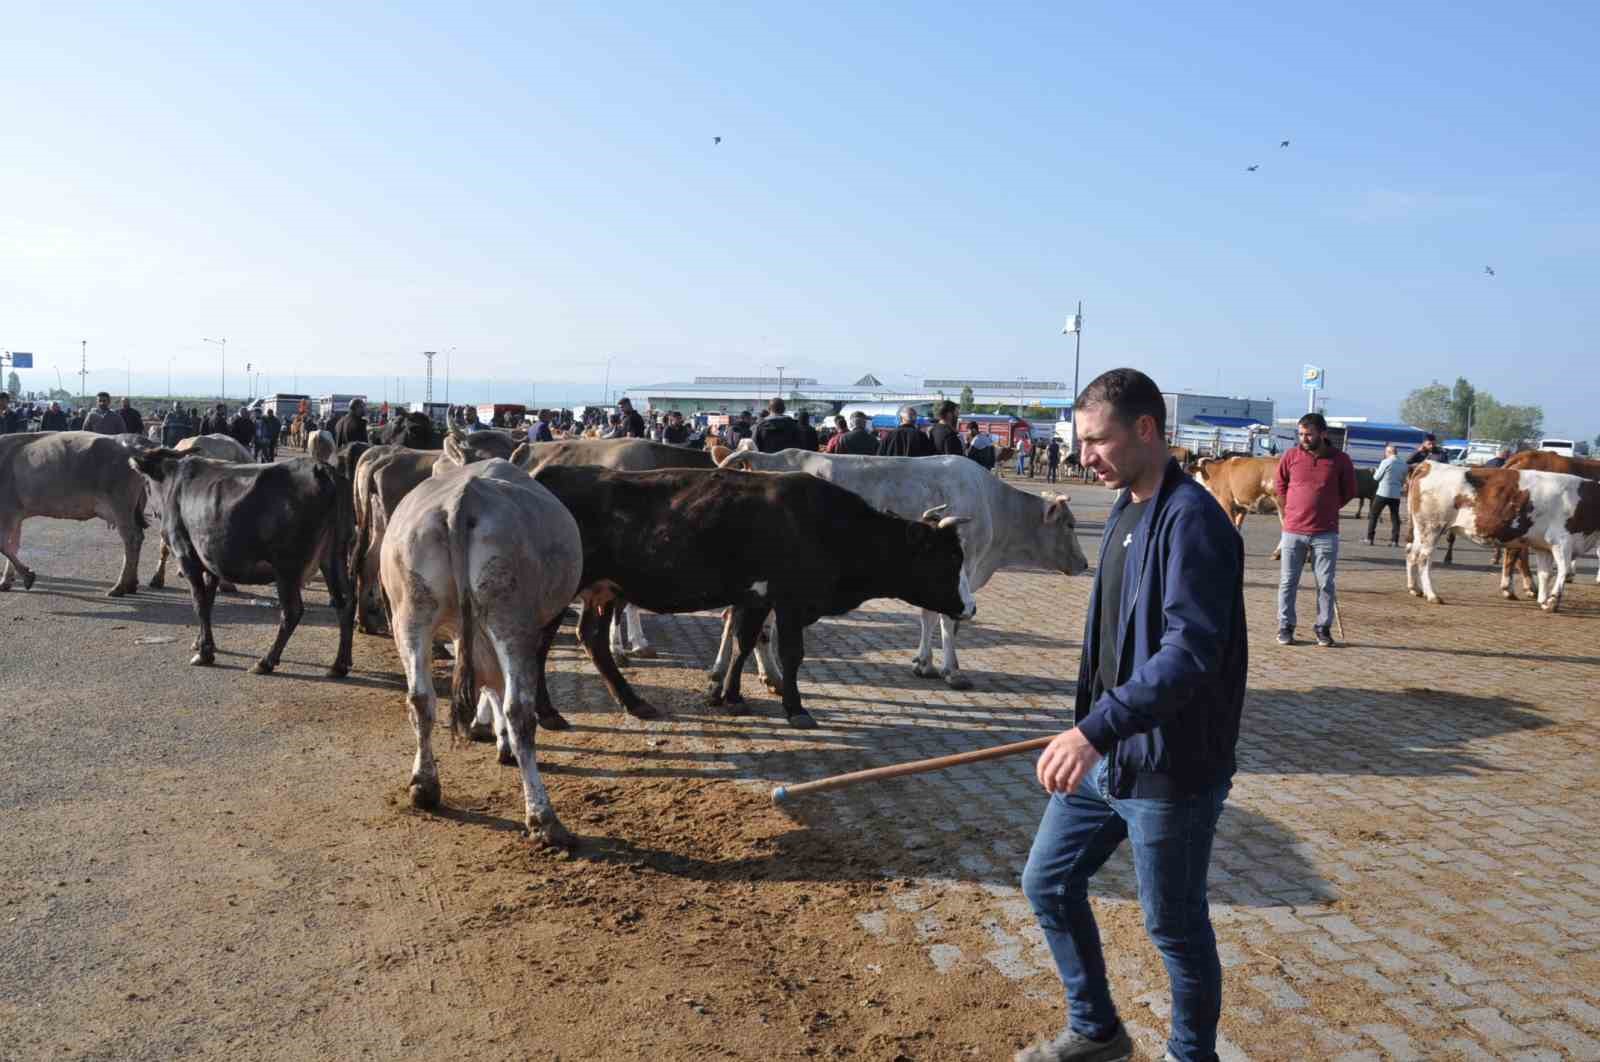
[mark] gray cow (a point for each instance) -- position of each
(490, 554)
(70, 475)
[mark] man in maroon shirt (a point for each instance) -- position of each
(1315, 480)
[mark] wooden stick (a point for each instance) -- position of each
(1338, 619)
(896, 770)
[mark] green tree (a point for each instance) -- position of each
(1506, 423)
(1428, 408)
(1461, 411)
(966, 398)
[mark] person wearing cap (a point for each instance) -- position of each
(632, 424)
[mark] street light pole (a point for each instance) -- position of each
(223, 344)
(427, 393)
(607, 399)
(780, 381)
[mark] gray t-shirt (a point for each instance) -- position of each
(1112, 563)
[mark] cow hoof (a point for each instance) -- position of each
(116, 591)
(1435, 600)
(773, 685)
(425, 793)
(714, 698)
(1415, 593)
(158, 583)
(27, 580)
(482, 732)
(644, 710)
(5, 588)
(506, 756)
(1508, 595)
(371, 628)
(957, 681)
(554, 721)
(621, 659)
(552, 835)
(262, 667)
(923, 669)
(647, 653)
(227, 587)
(337, 671)
(802, 720)
(202, 660)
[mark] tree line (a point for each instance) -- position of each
(1453, 411)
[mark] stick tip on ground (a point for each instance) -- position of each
(780, 794)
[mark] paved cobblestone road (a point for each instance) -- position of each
(1406, 868)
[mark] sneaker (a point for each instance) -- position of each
(1324, 637)
(1286, 636)
(1369, 542)
(1075, 1047)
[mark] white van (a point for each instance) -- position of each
(1564, 447)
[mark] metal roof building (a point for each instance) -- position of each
(731, 394)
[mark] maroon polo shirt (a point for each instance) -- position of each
(1312, 488)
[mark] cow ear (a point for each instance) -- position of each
(1056, 509)
(522, 456)
(457, 434)
(452, 451)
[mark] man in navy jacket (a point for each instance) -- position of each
(1151, 758)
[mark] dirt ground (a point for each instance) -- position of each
(231, 868)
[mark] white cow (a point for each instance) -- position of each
(490, 554)
(221, 447)
(1556, 514)
(1009, 527)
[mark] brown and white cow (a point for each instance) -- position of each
(1557, 514)
(1516, 557)
(1242, 485)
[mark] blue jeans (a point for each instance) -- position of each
(1171, 853)
(1324, 551)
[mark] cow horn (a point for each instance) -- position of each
(955, 521)
(935, 511)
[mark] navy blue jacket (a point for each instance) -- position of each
(1170, 725)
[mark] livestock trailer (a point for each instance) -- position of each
(336, 405)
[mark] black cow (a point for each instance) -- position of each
(256, 524)
(415, 430)
(687, 540)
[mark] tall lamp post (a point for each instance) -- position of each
(607, 399)
(223, 343)
(1074, 327)
(427, 391)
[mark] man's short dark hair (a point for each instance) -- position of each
(1315, 420)
(1130, 394)
(776, 406)
(946, 406)
(103, 394)
(1430, 437)
(972, 425)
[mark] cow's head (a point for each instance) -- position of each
(1062, 550)
(933, 546)
(461, 448)
(1202, 468)
(155, 465)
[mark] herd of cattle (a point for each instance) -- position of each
(1541, 502)
(490, 538)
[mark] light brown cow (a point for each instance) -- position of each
(70, 475)
(1242, 485)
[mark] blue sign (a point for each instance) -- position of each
(1312, 378)
(21, 359)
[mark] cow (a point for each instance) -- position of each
(1007, 527)
(255, 524)
(1366, 489)
(219, 447)
(1555, 513)
(413, 430)
(484, 551)
(1515, 557)
(1184, 456)
(620, 455)
(383, 476)
(684, 540)
(1242, 485)
(69, 475)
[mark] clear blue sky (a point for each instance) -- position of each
(924, 189)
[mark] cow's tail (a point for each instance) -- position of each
(734, 459)
(464, 683)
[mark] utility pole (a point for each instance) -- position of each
(1075, 326)
(223, 344)
(427, 393)
(83, 370)
(780, 381)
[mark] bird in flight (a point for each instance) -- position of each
(1283, 143)
(1489, 270)
(716, 140)
(1254, 168)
